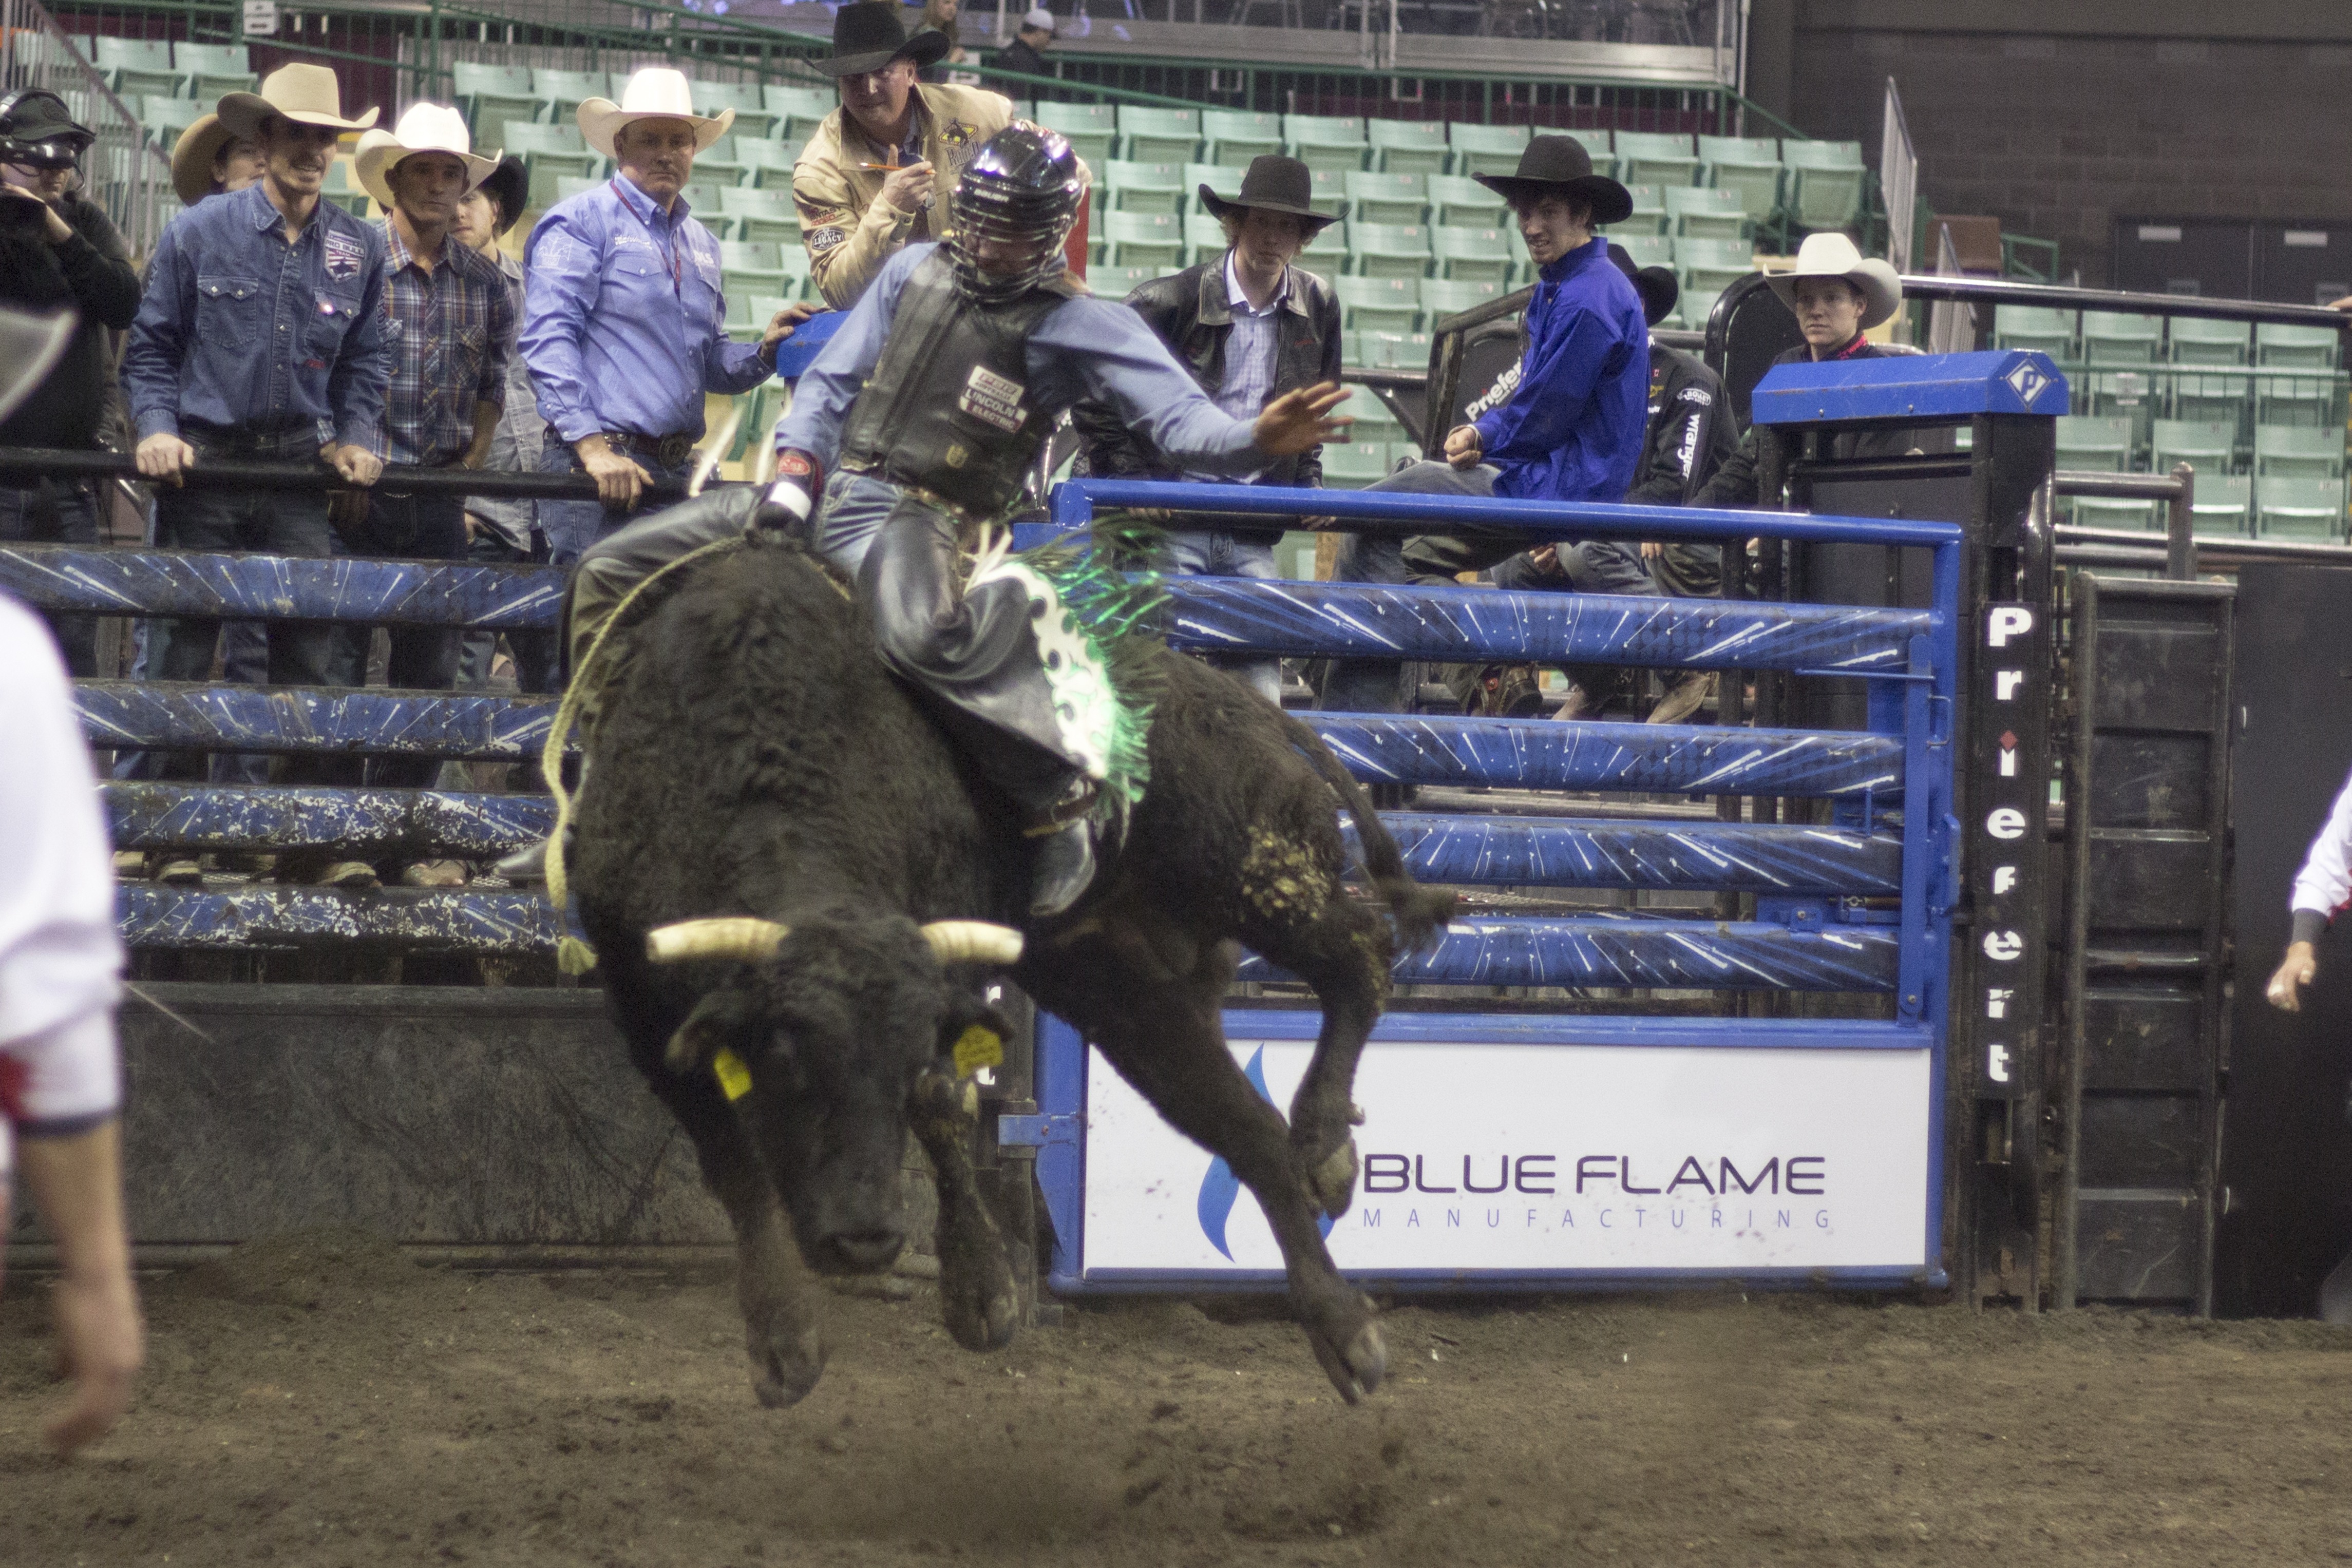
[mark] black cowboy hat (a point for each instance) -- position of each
(1656, 285)
(1560, 165)
(870, 35)
(1276, 185)
(510, 186)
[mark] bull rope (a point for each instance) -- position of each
(573, 955)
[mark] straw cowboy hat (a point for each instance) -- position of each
(308, 95)
(192, 155)
(1559, 166)
(870, 34)
(424, 128)
(1273, 183)
(656, 92)
(1835, 256)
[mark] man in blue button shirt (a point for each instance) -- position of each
(1571, 428)
(261, 337)
(624, 327)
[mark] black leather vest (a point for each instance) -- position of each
(947, 408)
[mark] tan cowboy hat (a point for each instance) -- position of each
(656, 92)
(424, 128)
(193, 156)
(308, 95)
(1835, 256)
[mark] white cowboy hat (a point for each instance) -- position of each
(424, 128)
(656, 92)
(1835, 256)
(306, 94)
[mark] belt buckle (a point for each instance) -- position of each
(671, 451)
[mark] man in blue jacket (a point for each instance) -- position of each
(1570, 428)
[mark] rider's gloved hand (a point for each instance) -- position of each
(790, 501)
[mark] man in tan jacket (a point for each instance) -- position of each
(877, 175)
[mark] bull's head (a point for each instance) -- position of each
(832, 1021)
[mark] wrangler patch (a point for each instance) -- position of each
(993, 399)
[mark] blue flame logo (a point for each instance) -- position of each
(1220, 1187)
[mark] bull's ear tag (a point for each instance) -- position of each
(734, 1078)
(977, 1047)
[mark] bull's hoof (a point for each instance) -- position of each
(783, 1373)
(1357, 1362)
(979, 1301)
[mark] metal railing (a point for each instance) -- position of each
(122, 174)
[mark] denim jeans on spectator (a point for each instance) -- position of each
(1207, 553)
(424, 658)
(572, 526)
(54, 512)
(534, 651)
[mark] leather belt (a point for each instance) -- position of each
(669, 451)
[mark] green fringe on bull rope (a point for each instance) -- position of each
(1100, 600)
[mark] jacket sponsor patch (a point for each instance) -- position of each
(814, 211)
(819, 241)
(955, 133)
(343, 255)
(992, 400)
(1697, 395)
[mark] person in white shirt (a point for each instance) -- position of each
(2322, 887)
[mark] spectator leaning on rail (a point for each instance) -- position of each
(1570, 429)
(261, 337)
(58, 252)
(877, 176)
(624, 327)
(1250, 327)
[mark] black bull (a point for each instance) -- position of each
(754, 759)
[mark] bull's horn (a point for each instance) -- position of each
(972, 942)
(734, 936)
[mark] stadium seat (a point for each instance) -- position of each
(1222, 178)
(1235, 136)
(2221, 504)
(2121, 335)
(560, 92)
(799, 110)
(1091, 129)
(548, 187)
(748, 100)
(1204, 236)
(1380, 304)
(2117, 512)
(1825, 183)
(1326, 142)
(2308, 509)
(767, 164)
(701, 197)
(1654, 158)
(719, 163)
(1153, 135)
(1329, 250)
(2035, 326)
(2298, 452)
(1118, 282)
(493, 95)
(1646, 250)
(1407, 146)
(1141, 187)
(1747, 165)
(548, 150)
(1383, 349)
(1467, 255)
(208, 71)
(1442, 296)
(2191, 340)
(2312, 398)
(1374, 421)
(747, 266)
(747, 317)
(163, 119)
(570, 186)
(2316, 347)
(341, 188)
(1456, 201)
(1649, 214)
(1353, 465)
(1144, 239)
(1486, 149)
(1708, 267)
(2207, 445)
(1704, 211)
(1388, 250)
(136, 68)
(1385, 198)
(2095, 444)
(758, 214)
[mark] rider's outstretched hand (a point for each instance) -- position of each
(1298, 420)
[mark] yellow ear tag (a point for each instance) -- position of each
(977, 1047)
(734, 1078)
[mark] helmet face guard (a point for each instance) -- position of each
(51, 143)
(1021, 191)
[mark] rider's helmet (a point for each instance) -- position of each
(1022, 191)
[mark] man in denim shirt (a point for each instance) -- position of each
(261, 337)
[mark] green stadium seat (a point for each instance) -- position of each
(1141, 187)
(799, 110)
(1655, 158)
(549, 151)
(1327, 190)
(747, 267)
(2035, 326)
(1237, 135)
(1327, 140)
(493, 95)
(2311, 510)
(2190, 340)
(1378, 304)
(1374, 421)
(136, 68)
(1382, 198)
(719, 164)
(2298, 452)
(1408, 146)
(1649, 214)
(1646, 250)
(2121, 335)
(2094, 443)
(1486, 149)
(209, 71)
(767, 164)
(1708, 267)
(1825, 183)
(570, 186)
(1473, 255)
(1383, 349)
(563, 91)
(2117, 512)
(163, 119)
(1443, 297)
(2312, 398)
(702, 197)
(1388, 250)
(748, 317)
(1204, 236)
(1144, 239)
(1456, 201)
(1747, 165)
(1704, 211)
(2207, 445)
(2227, 400)
(342, 189)
(1118, 282)
(1329, 249)
(2319, 348)
(2222, 504)
(748, 100)
(1222, 178)
(1352, 465)
(758, 215)
(1091, 129)
(1152, 135)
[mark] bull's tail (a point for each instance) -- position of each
(1418, 911)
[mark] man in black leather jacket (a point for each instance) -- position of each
(1250, 326)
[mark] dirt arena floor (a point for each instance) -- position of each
(321, 1400)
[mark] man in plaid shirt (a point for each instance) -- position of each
(450, 320)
